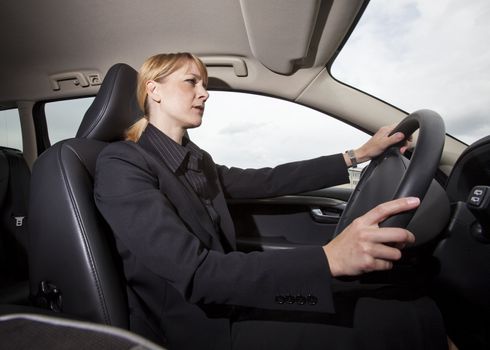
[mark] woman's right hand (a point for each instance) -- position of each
(364, 247)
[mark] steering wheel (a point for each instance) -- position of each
(391, 176)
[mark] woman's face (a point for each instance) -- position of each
(182, 96)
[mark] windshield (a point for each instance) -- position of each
(418, 54)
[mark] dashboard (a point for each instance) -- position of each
(462, 286)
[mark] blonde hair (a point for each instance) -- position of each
(157, 68)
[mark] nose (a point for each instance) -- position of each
(203, 94)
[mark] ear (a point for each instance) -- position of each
(152, 91)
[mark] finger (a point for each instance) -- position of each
(384, 210)
(377, 265)
(388, 128)
(384, 252)
(396, 137)
(381, 265)
(392, 235)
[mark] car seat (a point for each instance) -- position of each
(74, 267)
(14, 194)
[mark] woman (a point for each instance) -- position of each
(188, 287)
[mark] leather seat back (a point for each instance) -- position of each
(73, 262)
(14, 195)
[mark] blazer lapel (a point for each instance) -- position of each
(182, 196)
(195, 214)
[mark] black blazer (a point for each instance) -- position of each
(184, 279)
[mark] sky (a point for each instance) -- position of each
(425, 54)
(247, 130)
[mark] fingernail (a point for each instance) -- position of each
(413, 200)
(411, 238)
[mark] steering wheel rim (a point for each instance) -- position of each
(414, 176)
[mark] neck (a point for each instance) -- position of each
(175, 133)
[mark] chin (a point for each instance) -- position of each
(194, 124)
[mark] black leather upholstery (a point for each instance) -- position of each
(114, 108)
(72, 254)
(14, 194)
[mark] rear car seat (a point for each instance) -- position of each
(14, 194)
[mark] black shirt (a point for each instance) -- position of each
(185, 159)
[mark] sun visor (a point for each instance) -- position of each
(285, 35)
(280, 31)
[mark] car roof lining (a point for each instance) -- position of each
(125, 31)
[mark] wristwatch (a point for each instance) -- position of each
(352, 157)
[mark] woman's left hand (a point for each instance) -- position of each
(379, 142)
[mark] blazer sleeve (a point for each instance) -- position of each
(149, 226)
(289, 178)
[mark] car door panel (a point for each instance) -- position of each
(288, 221)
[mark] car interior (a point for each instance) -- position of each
(58, 255)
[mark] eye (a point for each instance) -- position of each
(191, 81)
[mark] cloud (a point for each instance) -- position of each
(424, 54)
(472, 126)
(266, 131)
(241, 127)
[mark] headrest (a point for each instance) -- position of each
(115, 107)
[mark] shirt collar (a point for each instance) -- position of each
(173, 154)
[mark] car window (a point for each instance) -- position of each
(63, 117)
(242, 130)
(424, 54)
(10, 131)
(247, 130)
